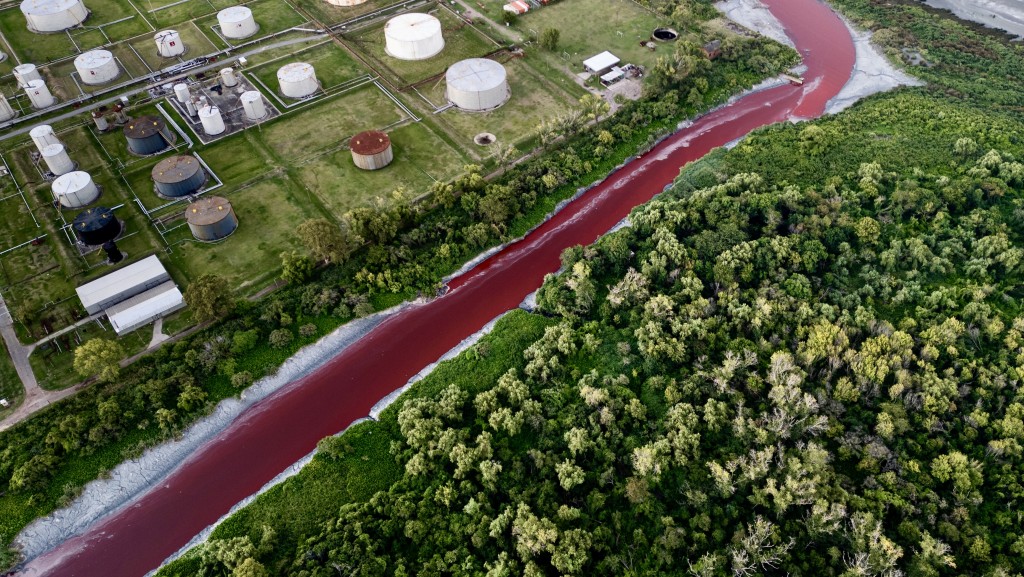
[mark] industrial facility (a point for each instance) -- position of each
(169, 44)
(297, 80)
(227, 103)
(53, 15)
(477, 84)
(96, 67)
(75, 189)
(371, 150)
(211, 219)
(413, 36)
(133, 296)
(178, 176)
(237, 22)
(147, 135)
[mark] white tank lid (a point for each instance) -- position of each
(48, 7)
(234, 14)
(94, 58)
(53, 149)
(41, 130)
(295, 72)
(71, 182)
(412, 26)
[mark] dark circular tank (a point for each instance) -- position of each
(147, 135)
(96, 225)
(211, 218)
(178, 176)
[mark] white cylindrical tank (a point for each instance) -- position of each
(297, 80)
(252, 104)
(236, 22)
(39, 94)
(43, 136)
(413, 36)
(190, 107)
(169, 44)
(75, 189)
(228, 78)
(96, 67)
(57, 159)
(53, 15)
(101, 120)
(182, 93)
(345, 2)
(477, 84)
(6, 111)
(25, 73)
(213, 122)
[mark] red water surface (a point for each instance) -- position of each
(283, 428)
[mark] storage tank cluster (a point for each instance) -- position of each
(169, 44)
(178, 176)
(53, 15)
(51, 150)
(371, 150)
(413, 36)
(96, 67)
(252, 104)
(75, 189)
(477, 84)
(147, 135)
(297, 80)
(211, 218)
(236, 22)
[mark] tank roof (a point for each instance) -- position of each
(295, 72)
(93, 219)
(412, 26)
(208, 210)
(71, 182)
(175, 169)
(23, 68)
(370, 142)
(164, 33)
(234, 14)
(94, 58)
(41, 130)
(52, 149)
(475, 74)
(143, 127)
(45, 7)
(250, 96)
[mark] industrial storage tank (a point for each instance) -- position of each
(236, 22)
(39, 95)
(57, 159)
(213, 122)
(413, 36)
(211, 218)
(96, 67)
(25, 73)
(371, 150)
(147, 135)
(228, 78)
(297, 80)
(477, 84)
(252, 104)
(6, 111)
(42, 136)
(178, 176)
(53, 15)
(96, 226)
(75, 189)
(169, 44)
(100, 118)
(182, 93)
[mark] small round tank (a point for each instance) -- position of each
(297, 80)
(413, 36)
(53, 15)
(213, 122)
(252, 104)
(181, 92)
(75, 189)
(236, 22)
(57, 159)
(147, 135)
(228, 78)
(211, 218)
(6, 111)
(169, 44)
(39, 95)
(96, 67)
(178, 176)
(100, 119)
(96, 226)
(371, 150)
(25, 73)
(42, 136)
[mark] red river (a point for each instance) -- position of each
(284, 427)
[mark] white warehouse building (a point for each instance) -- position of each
(132, 296)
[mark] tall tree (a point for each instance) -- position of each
(325, 240)
(209, 297)
(100, 357)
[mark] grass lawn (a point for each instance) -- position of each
(271, 16)
(460, 42)
(163, 16)
(533, 100)
(329, 14)
(420, 158)
(10, 385)
(196, 44)
(333, 66)
(268, 213)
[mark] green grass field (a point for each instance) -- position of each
(333, 66)
(329, 14)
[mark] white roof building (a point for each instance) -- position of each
(145, 307)
(601, 63)
(122, 284)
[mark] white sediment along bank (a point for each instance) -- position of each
(756, 16)
(872, 74)
(1006, 15)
